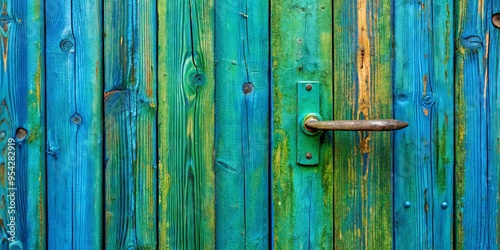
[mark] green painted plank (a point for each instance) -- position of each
(424, 97)
(74, 124)
(362, 47)
(242, 124)
(130, 124)
(22, 125)
(186, 124)
(476, 134)
(301, 47)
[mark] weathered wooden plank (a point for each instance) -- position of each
(362, 90)
(301, 46)
(492, 44)
(74, 124)
(22, 166)
(242, 124)
(476, 135)
(493, 88)
(130, 124)
(186, 124)
(424, 97)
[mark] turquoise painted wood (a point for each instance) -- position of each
(302, 197)
(424, 97)
(493, 95)
(162, 124)
(130, 124)
(186, 85)
(74, 97)
(22, 137)
(242, 124)
(477, 135)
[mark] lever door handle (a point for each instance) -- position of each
(310, 124)
(314, 124)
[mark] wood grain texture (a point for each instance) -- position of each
(21, 118)
(493, 90)
(301, 45)
(242, 124)
(477, 134)
(186, 124)
(424, 97)
(74, 124)
(130, 124)
(362, 90)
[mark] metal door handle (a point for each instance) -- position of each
(310, 124)
(313, 124)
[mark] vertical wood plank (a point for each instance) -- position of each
(74, 124)
(424, 97)
(477, 106)
(186, 124)
(493, 89)
(22, 123)
(242, 124)
(130, 124)
(301, 47)
(362, 90)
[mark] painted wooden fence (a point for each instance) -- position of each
(160, 124)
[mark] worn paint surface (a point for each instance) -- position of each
(424, 97)
(241, 161)
(186, 124)
(74, 124)
(301, 40)
(21, 123)
(130, 124)
(362, 160)
(172, 124)
(477, 133)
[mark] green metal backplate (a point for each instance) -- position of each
(307, 104)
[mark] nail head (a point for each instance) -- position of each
(444, 205)
(309, 156)
(407, 204)
(248, 87)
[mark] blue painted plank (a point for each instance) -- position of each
(242, 124)
(74, 124)
(477, 132)
(492, 39)
(471, 125)
(130, 124)
(424, 151)
(22, 166)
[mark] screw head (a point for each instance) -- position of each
(407, 204)
(309, 87)
(309, 156)
(444, 205)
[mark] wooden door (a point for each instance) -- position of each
(173, 124)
